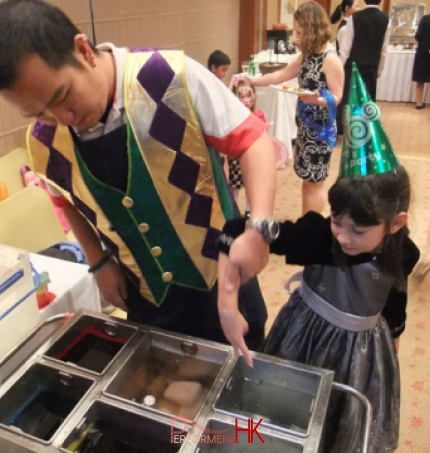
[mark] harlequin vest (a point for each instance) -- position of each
(167, 223)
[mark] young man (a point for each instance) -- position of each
(365, 41)
(218, 63)
(124, 140)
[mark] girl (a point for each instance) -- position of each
(355, 262)
(343, 11)
(244, 89)
(317, 67)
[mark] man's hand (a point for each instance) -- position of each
(111, 283)
(233, 323)
(249, 253)
(235, 328)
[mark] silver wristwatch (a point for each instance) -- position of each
(269, 228)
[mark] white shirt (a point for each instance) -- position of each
(348, 37)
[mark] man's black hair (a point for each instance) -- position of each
(33, 27)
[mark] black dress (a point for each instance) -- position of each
(421, 70)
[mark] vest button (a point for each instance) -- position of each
(167, 277)
(156, 251)
(127, 202)
(143, 227)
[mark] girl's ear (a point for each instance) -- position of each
(398, 222)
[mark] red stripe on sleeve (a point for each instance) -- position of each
(240, 139)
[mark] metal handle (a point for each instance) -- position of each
(367, 407)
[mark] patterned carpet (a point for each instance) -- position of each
(409, 133)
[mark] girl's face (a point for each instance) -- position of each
(246, 96)
(298, 32)
(355, 239)
(352, 9)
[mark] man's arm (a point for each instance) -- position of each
(347, 39)
(109, 278)
(233, 130)
(384, 50)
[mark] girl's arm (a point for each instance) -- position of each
(283, 75)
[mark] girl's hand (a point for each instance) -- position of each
(310, 98)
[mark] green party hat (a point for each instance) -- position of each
(366, 149)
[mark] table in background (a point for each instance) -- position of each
(74, 287)
(395, 83)
(280, 108)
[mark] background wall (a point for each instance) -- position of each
(195, 26)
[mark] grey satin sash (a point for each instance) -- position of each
(336, 317)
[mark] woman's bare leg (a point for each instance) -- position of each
(314, 196)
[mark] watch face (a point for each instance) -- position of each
(271, 229)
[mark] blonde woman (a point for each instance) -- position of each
(317, 67)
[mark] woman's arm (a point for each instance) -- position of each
(335, 76)
(283, 75)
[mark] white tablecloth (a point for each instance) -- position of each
(74, 287)
(279, 107)
(395, 83)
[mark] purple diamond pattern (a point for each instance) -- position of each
(44, 133)
(173, 135)
(210, 247)
(184, 173)
(156, 76)
(199, 211)
(59, 169)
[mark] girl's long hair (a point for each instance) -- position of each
(316, 27)
(372, 200)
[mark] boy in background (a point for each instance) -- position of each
(219, 63)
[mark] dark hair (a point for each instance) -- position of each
(340, 9)
(372, 2)
(316, 27)
(34, 27)
(372, 200)
(218, 58)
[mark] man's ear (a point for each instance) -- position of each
(82, 46)
(398, 222)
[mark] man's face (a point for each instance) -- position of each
(220, 71)
(71, 96)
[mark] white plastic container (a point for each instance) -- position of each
(16, 284)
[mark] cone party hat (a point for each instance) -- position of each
(366, 149)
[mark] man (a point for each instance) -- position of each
(124, 141)
(365, 41)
